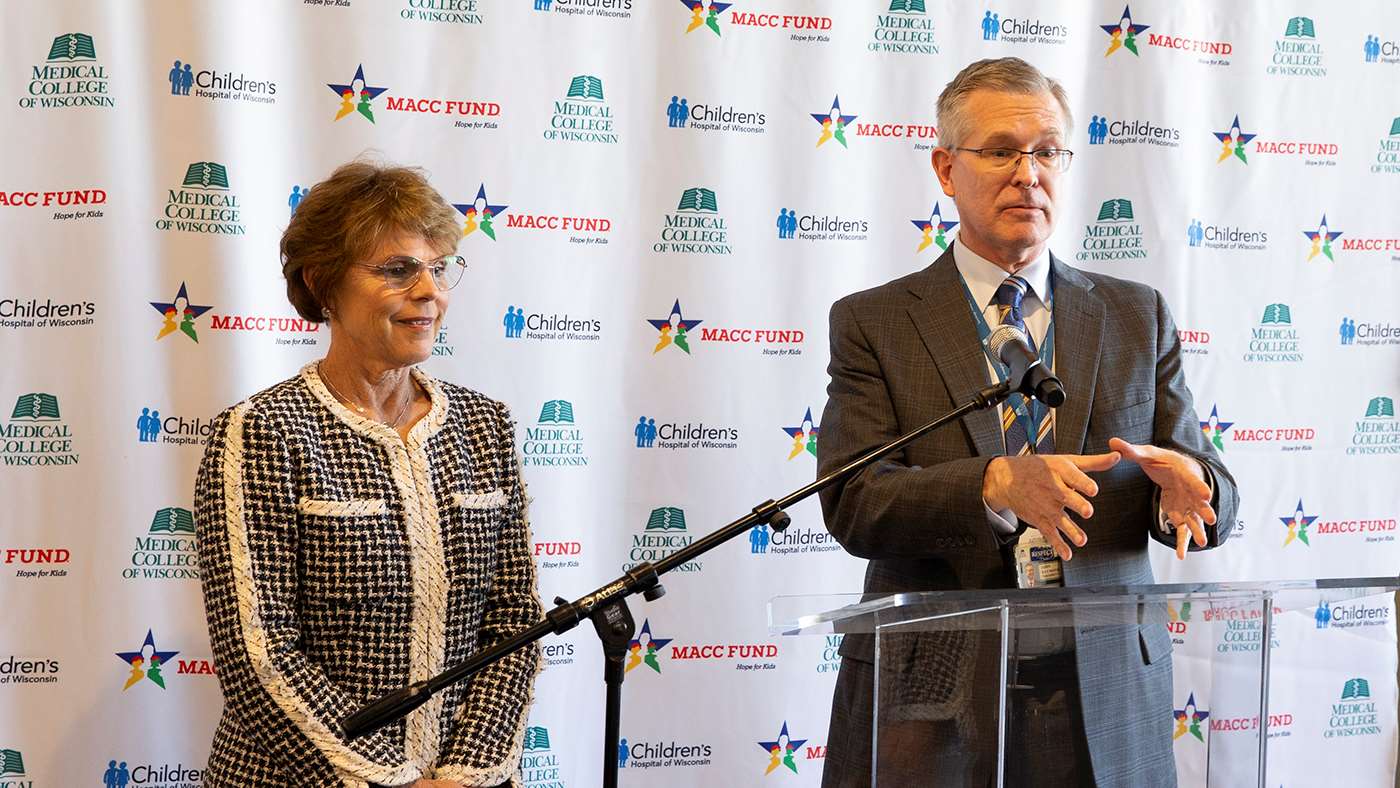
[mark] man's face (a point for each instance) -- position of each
(1008, 214)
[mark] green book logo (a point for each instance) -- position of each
(1381, 407)
(667, 518)
(907, 6)
(36, 407)
(173, 520)
(1356, 688)
(11, 763)
(1395, 127)
(206, 175)
(557, 411)
(1300, 27)
(72, 46)
(1277, 314)
(586, 88)
(1119, 210)
(536, 738)
(699, 200)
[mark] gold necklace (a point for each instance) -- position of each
(363, 412)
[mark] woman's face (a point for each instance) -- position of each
(388, 328)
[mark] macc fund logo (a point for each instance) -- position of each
(834, 123)
(203, 203)
(357, 96)
(583, 115)
(934, 231)
(479, 215)
(1115, 235)
(695, 227)
(70, 76)
(178, 315)
(710, 19)
(1216, 430)
(803, 437)
(905, 29)
(1126, 37)
(146, 664)
(1188, 720)
(1377, 432)
(784, 751)
(555, 441)
(70, 199)
(36, 434)
(644, 650)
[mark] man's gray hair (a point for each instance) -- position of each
(1007, 75)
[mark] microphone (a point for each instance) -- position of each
(1028, 376)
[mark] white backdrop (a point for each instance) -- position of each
(119, 196)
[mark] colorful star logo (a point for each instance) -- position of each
(781, 750)
(1123, 34)
(1298, 526)
(1232, 142)
(644, 649)
(144, 666)
(1189, 719)
(479, 207)
(181, 310)
(1215, 429)
(833, 123)
(934, 230)
(1321, 240)
(673, 330)
(804, 436)
(347, 93)
(700, 17)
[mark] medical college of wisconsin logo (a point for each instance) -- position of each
(71, 76)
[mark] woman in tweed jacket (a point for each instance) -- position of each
(362, 526)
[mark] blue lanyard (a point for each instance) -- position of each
(1033, 411)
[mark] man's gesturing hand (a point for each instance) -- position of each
(1038, 488)
(1185, 494)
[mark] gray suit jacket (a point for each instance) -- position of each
(906, 352)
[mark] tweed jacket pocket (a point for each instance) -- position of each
(354, 551)
(487, 500)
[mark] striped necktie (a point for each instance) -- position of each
(1008, 300)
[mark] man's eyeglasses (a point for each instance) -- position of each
(401, 272)
(1001, 159)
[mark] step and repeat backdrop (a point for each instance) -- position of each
(622, 167)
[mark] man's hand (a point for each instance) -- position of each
(1185, 494)
(1040, 487)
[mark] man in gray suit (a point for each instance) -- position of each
(1013, 494)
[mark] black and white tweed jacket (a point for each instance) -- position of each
(339, 562)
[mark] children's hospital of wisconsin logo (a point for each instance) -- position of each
(147, 663)
(1378, 431)
(681, 113)
(356, 97)
(1021, 30)
(783, 751)
(662, 754)
(556, 441)
(934, 230)
(1114, 235)
(1188, 720)
(458, 12)
(32, 313)
(1297, 53)
(479, 215)
(1377, 51)
(1354, 713)
(36, 434)
(1351, 614)
(1274, 340)
(167, 550)
(1104, 131)
(203, 203)
(1349, 332)
(1126, 36)
(663, 534)
(695, 227)
(207, 83)
(549, 327)
(815, 227)
(645, 649)
(1388, 151)
(583, 115)
(151, 427)
(117, 774)
(904, 30)
(69, 77)
(179, 315)
(1225, 237)
(607, 9)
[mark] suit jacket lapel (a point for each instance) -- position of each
(1078, 315)
(944, 323)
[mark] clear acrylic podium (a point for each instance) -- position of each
(1258, 661)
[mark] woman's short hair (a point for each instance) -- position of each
(343, 219)
(1007, 75)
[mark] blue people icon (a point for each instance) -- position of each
(996, 25)
(792, 223)
(651, 433)
(295, 199)
(782, 222)
(175, 79)
(143, 422)
(520, 322)
(1373, 49)
(109, 777)
(682, 112)
(509, 322)
(542, 5)
(987, 26)
(622, 754)
(1094, 130)
(1323, 616)
(640, 432)
(671, 110)
(123, 775)
(153, 426)
(186, 80)
(1351, 332)
(758, 539)
(1342, 331)
(1101, 131)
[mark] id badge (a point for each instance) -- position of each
(1037, 566)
